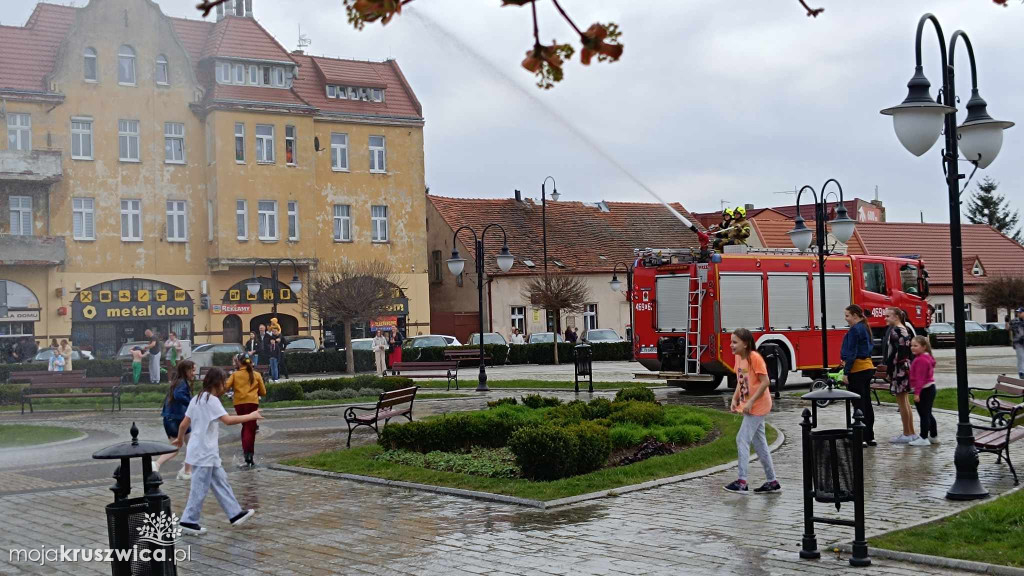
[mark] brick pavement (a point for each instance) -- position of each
(307, 525)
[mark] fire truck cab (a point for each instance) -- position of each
(686, 307)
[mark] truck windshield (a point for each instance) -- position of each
(908, 277)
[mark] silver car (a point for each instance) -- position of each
(489, 338)
(543, 338)
(202, 355)
(601, 335)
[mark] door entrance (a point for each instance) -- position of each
(232, 329)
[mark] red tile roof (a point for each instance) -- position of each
(578, 234)
(774, 234)
(239, 37)
(399, 100)
(27, 53)
(228, 92)
(1000, 256)
(193, 35)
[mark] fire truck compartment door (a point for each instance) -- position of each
(837, 298)
(742, 298)
(673, 294)
(788, 308)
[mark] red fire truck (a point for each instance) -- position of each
(686, 305)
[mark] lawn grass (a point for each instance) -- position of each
(719, 451)
(465, 383)
(991, 532)
(20, 435)
(156, 399)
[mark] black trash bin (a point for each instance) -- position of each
(584, 365)
(832, 453)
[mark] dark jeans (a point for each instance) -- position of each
(860, 383)
(929, 429)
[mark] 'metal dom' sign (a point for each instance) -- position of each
(126, 300)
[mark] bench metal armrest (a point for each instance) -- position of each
(350, 412)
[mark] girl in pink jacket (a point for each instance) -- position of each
(922, 382)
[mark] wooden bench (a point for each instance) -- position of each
(944, 339)
(25, 375)
(461, 355)
(63, 389)
(996, 439)
(1007, 394)
(880, 382)
(436, 370)
(387, 408)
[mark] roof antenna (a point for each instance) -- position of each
(876, 195)
(303, 39)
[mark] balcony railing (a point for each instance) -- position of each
(36, 166)
(18, 250)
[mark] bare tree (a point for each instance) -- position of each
(1004, 292)
(353, 292)
(557, 293)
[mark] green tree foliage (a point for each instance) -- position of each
(988, 207)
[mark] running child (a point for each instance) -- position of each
(753, 399)
(922, 381)
(179, 394)
(247, 386)
(205, 411)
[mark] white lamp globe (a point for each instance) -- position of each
(800, 235)
(505, 259)
(456, 264)
(980, 136)
(615, 284)
(253, 286)
(918, 128)
(843, 225)
(295, 285)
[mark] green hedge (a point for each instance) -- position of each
(93, 368)
(987, 338)
(553, 452)
(327, 361)
(525, 353)
(461, 431)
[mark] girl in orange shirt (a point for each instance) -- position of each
(753, 400)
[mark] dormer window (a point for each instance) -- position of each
(978, 269)
(332, 91)
(353, 93)
(378, 95)
(343, 92)
(223, 73)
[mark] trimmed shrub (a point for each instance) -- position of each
(987, 338)
(93, 368)
(519, 354)
(507, 401)
(637, 393)
(593, 446)
(628, 434)
(545, 452)
(325, 395)
(675, 418)
(537, 401)
(610, 351)
(370, 391)
(685, 434)
(642, 413)
(10, 394)
(460, 431)
(600, 408)
(387, 384)
(571, 413)
(284, 391)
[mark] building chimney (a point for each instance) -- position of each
(220, 12)
(748, 207)
(519, 196)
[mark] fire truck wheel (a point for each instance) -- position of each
(697, 387)
(778, 366)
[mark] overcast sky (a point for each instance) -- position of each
(711, 100)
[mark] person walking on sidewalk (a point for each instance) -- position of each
(751, 399)
(179, 394)
(897, 367)
(248, 387)
(1017, 335)
(858, 369)
(380, 350)
(922, 380)
(205, 411)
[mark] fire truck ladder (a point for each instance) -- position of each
(694, 348)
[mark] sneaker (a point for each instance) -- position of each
(182, 475)
(920, 442)
(738, 487)
(935, 440)
(156, 466)
(870, 443)
(193, 529)
(904, 439)
(242, 517)
(769, 488)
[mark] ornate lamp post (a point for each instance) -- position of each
(918, 121)
(253, 285)
(544, 215)
(616, 286)
(457, 264)
(800, 235)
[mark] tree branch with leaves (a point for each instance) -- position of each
(557, 293)
(1003, 292)
(351, 293)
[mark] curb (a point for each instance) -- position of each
(539, 504)
(48, 444)
(940, 562)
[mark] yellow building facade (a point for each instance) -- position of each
(154, 165)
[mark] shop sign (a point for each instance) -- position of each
(239, 293)
(161, 302)
(20, 316)
(385, 323)
(232, 308)
(398, 307)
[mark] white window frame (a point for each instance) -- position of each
(21, 221)
(239, 139)
(590, 317)
(378, 156)
(342, 223)
(342, 93)
(517, 317)
(124, 131)
(242, 210)
(339, 152)
(80, 135)
(968, 311)
(162, 65)
(131, 214)
(278, 77)
(290, 141)
(377, 94)
(223, 73)
(353, 93)
(129, 55)
(332, 91)
(83, 219)
(90, 54)
(266, 75)
(266, 221)
(19, 132)
(940, 312)
(174, 142)
(238, 74)
(293, 220)
(379, 232)
(177, 221)
(254, 75)
(264, 145)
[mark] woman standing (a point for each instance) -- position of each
(172, 352)
(380, 348)
(54, 348)
(248, 386)
(396, 348)
(858, 369)
(65, 351)
(179, 394)
(897, 366)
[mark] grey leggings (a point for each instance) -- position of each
(752, 431)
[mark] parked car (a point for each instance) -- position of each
(990, 326)
(972, 326)
(602, 335)
(300, 344)
(940, 328)
(489, 338)
(202, 355)
(429, 341)
(451, 340)
(543, 338)
(77, 354)
(362, 344)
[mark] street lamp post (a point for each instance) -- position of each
(457, 264)
(800, 235)
(616, 286)
(253, 285)
(918, 121)
(544, 216)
